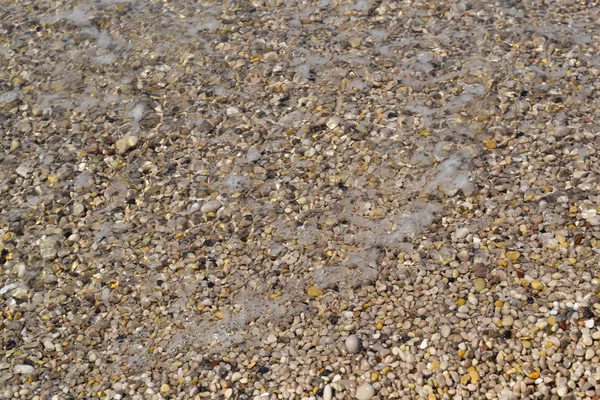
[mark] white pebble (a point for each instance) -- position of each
(48, 345)
(23, 369)
(353, 344)
(327, 393)
(210, 206)
(589, 323)
(365, 392)
(473, 299)
(333, 122)
(562, 391)
(233, 111)
(236, 377)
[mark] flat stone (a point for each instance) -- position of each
(23, 369)
(210, 206)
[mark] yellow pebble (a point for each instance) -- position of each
(490, 144)
(551, 320)
(526, 344)
(374, 377)
(513, 255)
(533, 375)
(314, 291)
(537, 285)
(165, 388)
(499, 303)
(431, 396)
(460, 302)
(379, 325)
(474, 374)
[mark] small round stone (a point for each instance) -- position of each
(353, 344)
(365, 392)
(236, 377)
(507, 321)
(562, 391)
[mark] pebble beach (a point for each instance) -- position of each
(303, 199)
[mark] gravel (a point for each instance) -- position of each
(212, 199)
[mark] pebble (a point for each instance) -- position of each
(480, 284)
(14, 145)
(210, 206)
(365, 392)
(562, 391)
(78, 209)
(236, 377)
(126, 143)
(48, 249)
(445, 331)
(165, 388)
(507, 321)
(23, 369)
(327, 392)
(537, 285)
(48, 344)
(233, 111)
(353, 344)
(587, 340)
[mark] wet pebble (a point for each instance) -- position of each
(210, 206)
